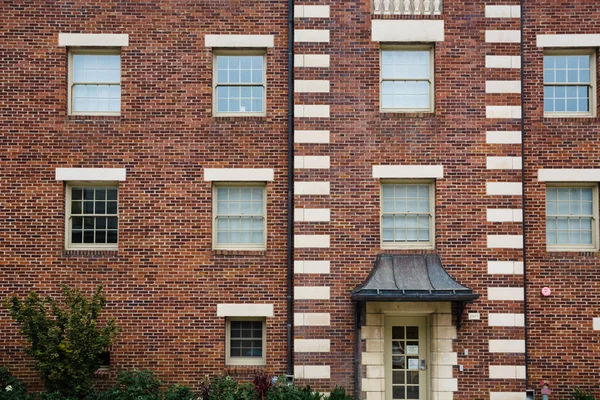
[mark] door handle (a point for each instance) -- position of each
(423, 365)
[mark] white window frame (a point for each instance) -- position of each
(409, 245)
(239, 53)
(592, 99)
(95, 51)
(89, 246)
(431, 107)
(238, 246)
(229, 360)
(574, 247)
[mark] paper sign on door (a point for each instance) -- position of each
(412, 350)
(413, 363)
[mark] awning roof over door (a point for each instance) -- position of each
(411, 277)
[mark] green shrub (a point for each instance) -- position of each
(179, 392)
(137, 385)
(11, 388)
(580, 394)
(281, 391)
(339, 393)
(65, 338)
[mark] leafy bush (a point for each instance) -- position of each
(11, 388)
(339, 393)
(137, 385)
(179, 392)
(65, 338)
(580, 394)
(281, 391)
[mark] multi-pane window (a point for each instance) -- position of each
(407, 215)
(239, 217)
(92, 217)
(569, 83)
(95, 83)
(571, 217)
(407, 80)
(239, 84)
(245, 341)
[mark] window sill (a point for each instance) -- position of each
(569, 116)
(98, 253)
(240, 252)
(94, 117)
(407, 114)
(571, 251)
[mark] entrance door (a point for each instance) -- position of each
(406, 358)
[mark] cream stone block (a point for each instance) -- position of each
(311, 86)
(312, 345)
(90, 174)
(503, 188)
(441, 345)
(443, 358)
(299, 371)
(372, 358)
(311, 111)
(374, 320)
(244, 310)
(311, 241)
(239, 174)
(504, 215)
(596, 324)
(505, 293)
(569, 175)
(311, 267)
(502, 11)
(312, 319)
(503, 137)
(503, 163)
(312, 372)
(311, 136)
(506, 346)
(371, 332)
(311, 162)
(444, 384)
(373, 385)
(374, 345)
(311, 188)
(502, 61)
(569, 40)
(505, 267)
(444, 332)
(441, 371)
(311, 35)
(410, 307)
(506, 319)
(441, 320)
(507, 396)
(504, 36)
(239, 40)
(505, 241)
(375, 395)
(375, 371)
(311, 60)
(311, 293)
(503, 112)
(406, 30)
(503, 86)
(408, 171)
(93, 40)
(506, 372)
(311, 11)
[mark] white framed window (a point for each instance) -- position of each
(572, 217)
(407, 214)
(570, 83)
(406, 79)
(92, 212)
(246, 341)
(94, 82)
(239, 83)
(239, 216)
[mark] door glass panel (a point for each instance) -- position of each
(398, 363)
(398, 378)
(412, 392)
(412, 332)
(398, 347)
(413, 377)
(398, 332)
(406, 349)
(398, 392)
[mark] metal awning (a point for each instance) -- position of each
(412, 277)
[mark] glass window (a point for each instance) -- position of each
(239, 84)
(239, 217)
(246, 342)
(95, 83)
(406, 80)
(569, 81)
(571, 217)
(92, 217)
(407, 215)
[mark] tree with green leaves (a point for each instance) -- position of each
(65, 338)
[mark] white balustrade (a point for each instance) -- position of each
(407, 7)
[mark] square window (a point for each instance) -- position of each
(239, 83)
(94, 82)
(92, 217)
(570, 83)
(246, 340)
(407, 80)
(239, 220)
(572, 218)
(407, 215)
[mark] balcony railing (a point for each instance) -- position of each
(407, 7)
